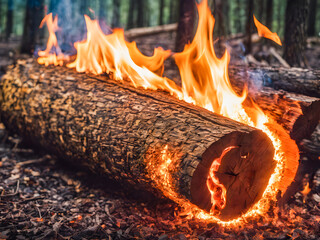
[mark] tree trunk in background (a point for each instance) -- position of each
(238, 17)
(103, 13)
(186, 23)
(9, 24)
(131, 17)
(116, 14)
(249, 26)
(161, 10)
(295, 30)
(173, 12)
(312, 18)
(34, 15)
(0, 19)
(269, 14)
(141, 13)
(261, 9)
(218, 14)
(53, 6)
(83, 7)
(225, 14)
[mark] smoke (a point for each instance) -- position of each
(72, 24)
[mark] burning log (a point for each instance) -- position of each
(119, 130)
(297, 113)
(296, 80)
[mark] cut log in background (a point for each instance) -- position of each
(299, 114)
(110, 127)
(297, 80)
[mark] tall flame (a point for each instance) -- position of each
(263, 31)
(47, 57)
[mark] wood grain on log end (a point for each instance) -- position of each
(244, 172)
(306, 123)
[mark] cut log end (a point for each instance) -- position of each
(305, 125)
(244, 172)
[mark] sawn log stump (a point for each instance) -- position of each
(111, 127)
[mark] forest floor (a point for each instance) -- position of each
(42, 198)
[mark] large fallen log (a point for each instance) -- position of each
(296, 80)
(112, 128)
(297, 113)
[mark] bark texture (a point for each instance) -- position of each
(297, 113)
(34, 15)
(295, 80)
(112, 128)
(295, 32)
(185, 31)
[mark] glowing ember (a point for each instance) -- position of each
(52, 54)
(217, 190)
(263, 31)
(305, 192)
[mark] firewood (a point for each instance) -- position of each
(297, 113)
(113, 128)
(296, 80)
(141, 32)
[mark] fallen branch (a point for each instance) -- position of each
(141, 32)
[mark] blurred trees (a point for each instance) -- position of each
(187, 11)
(295, 32)
(34, 15)
(9, 24)
(312, 18)
(232, 16)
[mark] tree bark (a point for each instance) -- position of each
(131, 16)
(53, 7)
(118, 130)
(269, 14)
(249, 25)
(261, 9)
(161, 11)
(226, 17)
(173, 12)
(312, 18)
(116, 14)
(103, 10)
(141, 13)
(297, 113)
(9, 25)
(187, 10)
(34, 15)
(84, 7)
(238, 18)
(295, 31)
(295, 80)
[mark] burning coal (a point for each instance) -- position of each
(205, 83)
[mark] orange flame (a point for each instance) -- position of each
(263, 31)
(101, 53)
(46, 57)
